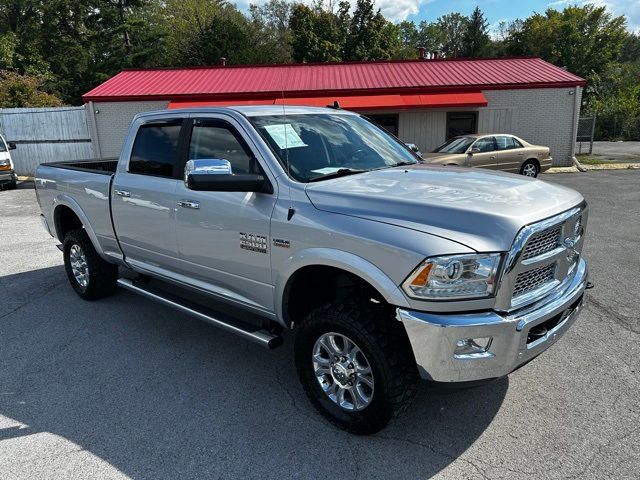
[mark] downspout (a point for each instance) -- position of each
(93, 128)
(574, 132)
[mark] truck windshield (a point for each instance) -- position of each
(312, 146)
(455, 145)
(3, 147)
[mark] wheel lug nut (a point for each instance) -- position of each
(343, 359)
(351, 365)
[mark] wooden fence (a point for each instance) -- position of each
(45, 135)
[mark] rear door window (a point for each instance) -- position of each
(505, 143)
(155, 149)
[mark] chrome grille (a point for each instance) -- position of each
(542, 242)
(532, 279)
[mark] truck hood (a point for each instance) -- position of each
(481, 209)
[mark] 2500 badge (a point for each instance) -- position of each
(254, 243)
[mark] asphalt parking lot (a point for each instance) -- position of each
(126, 388)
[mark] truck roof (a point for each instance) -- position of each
(255, 110)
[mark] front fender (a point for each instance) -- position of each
(67, 201)
(330, 257)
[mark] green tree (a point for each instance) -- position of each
(631, 48)
(475, 39)
(452, 27)
(615, 99)
(21, 91)
(584, 39)
(371, 36)
(318, 35)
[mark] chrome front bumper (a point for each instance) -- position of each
(435, 337)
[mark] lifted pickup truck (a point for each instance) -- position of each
(261, 219)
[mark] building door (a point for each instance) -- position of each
(461, 123)
(388, 122)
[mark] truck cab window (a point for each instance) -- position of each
(214, 140)
(155, 150)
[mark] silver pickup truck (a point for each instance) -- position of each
(265, 219)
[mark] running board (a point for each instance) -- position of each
(226, 322)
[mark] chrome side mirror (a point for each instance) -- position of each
(206, 166)
(474, 150)
(414, 148)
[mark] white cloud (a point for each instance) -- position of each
(394, 10)
(628, 8)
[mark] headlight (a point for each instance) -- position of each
(454, 276)
(5, 165)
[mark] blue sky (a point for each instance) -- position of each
(495, 10)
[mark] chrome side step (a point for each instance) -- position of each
(226, 322)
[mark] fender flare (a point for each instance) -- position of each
(330, 257)
(67, 201)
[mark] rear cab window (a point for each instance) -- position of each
(155, 149)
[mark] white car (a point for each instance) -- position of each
(8, 177)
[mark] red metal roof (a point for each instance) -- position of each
(356, 102)
(409, 76)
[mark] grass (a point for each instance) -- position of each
(587, 159)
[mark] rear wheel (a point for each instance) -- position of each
(530, 168)
(90, 276)
(355, 365)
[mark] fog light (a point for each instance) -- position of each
(473, 347)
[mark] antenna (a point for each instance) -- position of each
(286, 145)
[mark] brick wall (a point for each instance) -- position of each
(112, 120)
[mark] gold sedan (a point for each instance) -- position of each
(497, 152)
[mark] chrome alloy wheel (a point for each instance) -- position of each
(529, 170)
(343, 372)
(79, 265)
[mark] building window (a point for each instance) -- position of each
(388, 122)
(461, 123)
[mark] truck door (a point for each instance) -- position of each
(223, 237)
(143, 197)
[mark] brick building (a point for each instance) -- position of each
(421, 101)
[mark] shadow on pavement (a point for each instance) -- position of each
(159, 395)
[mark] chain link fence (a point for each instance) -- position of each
(586, 131)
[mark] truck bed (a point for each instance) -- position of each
(105, 166)
(84, 187)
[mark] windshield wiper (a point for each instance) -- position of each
(404, 164)
(343, 172)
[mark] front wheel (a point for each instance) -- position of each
(530, 168)
(90, 276)
(355, 365)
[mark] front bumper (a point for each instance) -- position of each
(8, 176)
(434, 337)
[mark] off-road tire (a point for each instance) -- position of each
(103, 276)
(385, 344)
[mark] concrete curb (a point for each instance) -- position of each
(588, 168)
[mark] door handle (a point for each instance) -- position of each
(122, 193)
(189, 204)
(492, 157)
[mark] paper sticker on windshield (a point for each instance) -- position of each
(285, 136)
